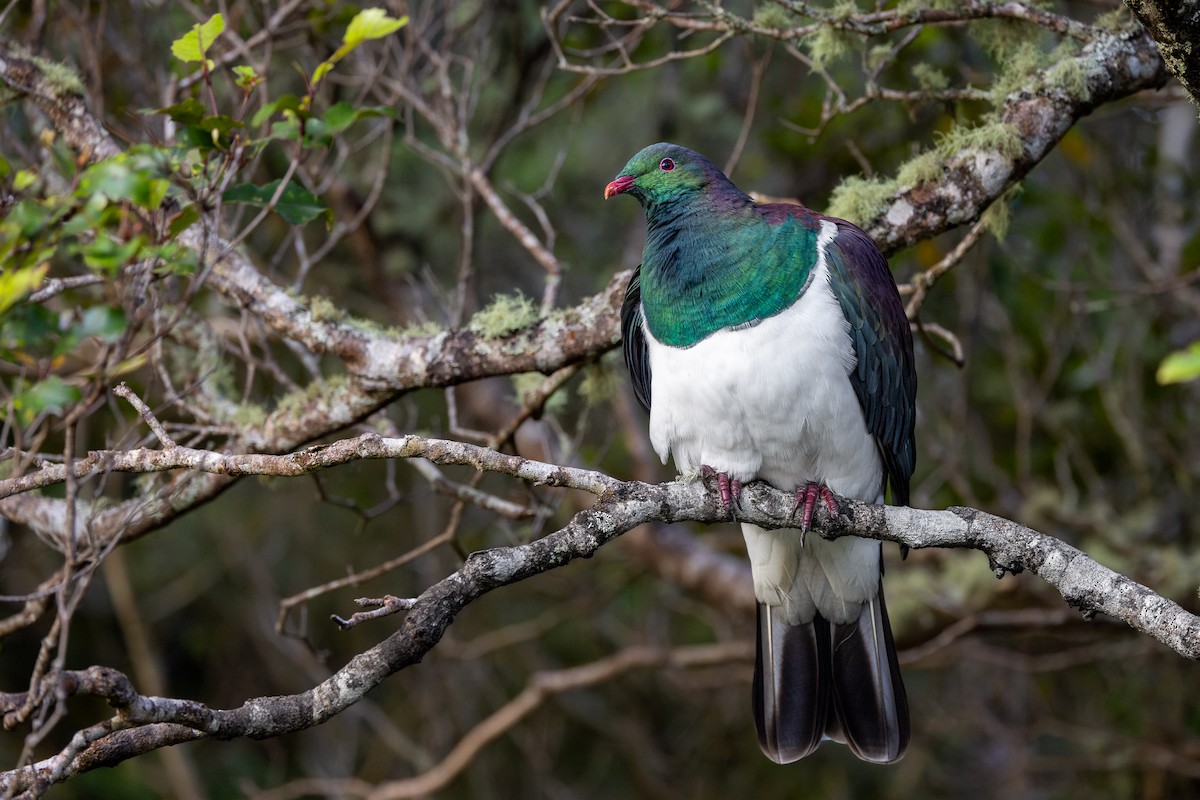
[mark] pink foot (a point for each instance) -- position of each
(730, 489)
(806, 498)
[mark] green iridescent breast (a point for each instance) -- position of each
(704, 274)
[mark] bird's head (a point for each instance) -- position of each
(663, 173)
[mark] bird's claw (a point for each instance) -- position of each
(806, 498)
(730, 489)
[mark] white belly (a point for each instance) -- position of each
(774, 402)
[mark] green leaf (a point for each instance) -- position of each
(179, 223)
(371, 23)
(172, 258)
(16, 283)
(125, 177)
(105, 322)
(321, 130)
(193, 45)
(283, 103)
(325, 66)
(246, 77)
(341, 116)
(108, 254)
(287, 130)
(1180, 366)
(296, 204)
(52, 395)
(190, 136)
(186, 112)
(24, 179)
(208, 132)
(111, 254)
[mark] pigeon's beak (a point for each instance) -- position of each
(621, 184)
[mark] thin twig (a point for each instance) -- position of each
(288, 603)
(542, 686)
(920, 284)
(121, 390)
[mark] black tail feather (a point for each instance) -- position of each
(817, 681)
(792, 685)
(869, 701)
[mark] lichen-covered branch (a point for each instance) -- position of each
(147, 723)
(1175, 25)
(1033, 119)
(955, 182)
(57, 91)
(621, 506)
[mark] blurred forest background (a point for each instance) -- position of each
(459, 159)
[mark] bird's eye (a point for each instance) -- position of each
(666, 165)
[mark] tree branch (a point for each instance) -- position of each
(541, 686)
(1175, 25)
(620, 506)
(623, 505)
(1112, 66)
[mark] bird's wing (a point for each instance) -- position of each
(885, 379)
(637, 354)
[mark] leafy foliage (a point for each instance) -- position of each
(1182, 365)
(194, 45)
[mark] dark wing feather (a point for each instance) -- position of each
(885, 379)
(633, 337)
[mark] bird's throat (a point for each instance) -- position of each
(698, 279)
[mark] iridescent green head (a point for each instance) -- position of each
(665, 173)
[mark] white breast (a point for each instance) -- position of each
(774, 402)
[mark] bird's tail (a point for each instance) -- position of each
(821, 680)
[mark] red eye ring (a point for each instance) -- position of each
(666, 165)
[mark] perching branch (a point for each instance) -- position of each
(145, 723)
(623, 505)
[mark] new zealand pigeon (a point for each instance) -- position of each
(768, 342)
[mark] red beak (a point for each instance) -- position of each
(621, 184)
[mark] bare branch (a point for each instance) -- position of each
(383, 607)
(366, 446)
(622, 506)
(1084, 584)
(920, 284)
(543, 685)
(522, 234)
(121, 390)
(288, 603)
